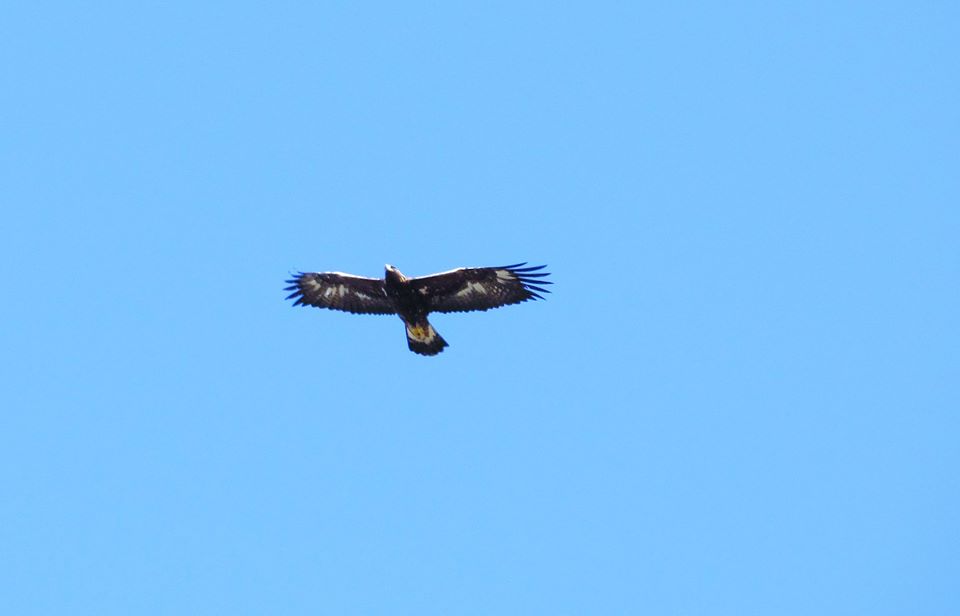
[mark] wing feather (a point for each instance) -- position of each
(339, 291)
(481, 288)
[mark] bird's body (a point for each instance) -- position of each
(412, 299)
(421, 337)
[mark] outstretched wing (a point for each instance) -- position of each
(339, 291)
(481, 288)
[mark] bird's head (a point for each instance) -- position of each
(394, 273)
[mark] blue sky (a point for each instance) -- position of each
(741, 397)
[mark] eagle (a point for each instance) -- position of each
(412, 299)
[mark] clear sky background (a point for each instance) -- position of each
(741, 398)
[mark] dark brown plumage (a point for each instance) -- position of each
(459, 290)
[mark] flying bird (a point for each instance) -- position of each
(412, 299)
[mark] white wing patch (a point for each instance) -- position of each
(470, 289)
(333, 290)
(505, 276)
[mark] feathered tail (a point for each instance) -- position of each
(423, 339)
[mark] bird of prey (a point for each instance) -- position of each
(412, 299)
